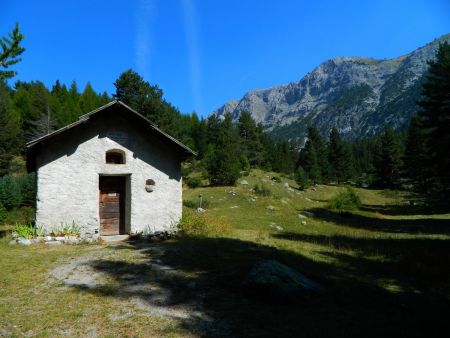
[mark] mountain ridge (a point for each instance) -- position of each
(358, 95)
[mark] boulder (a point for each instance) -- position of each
(200, 210)
(286, 185)
(270, 279)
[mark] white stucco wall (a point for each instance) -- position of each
(68, 170)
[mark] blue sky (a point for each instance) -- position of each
(204, 53)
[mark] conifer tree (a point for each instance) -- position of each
(434, 117)
(222, 158)
(10, 53)
(415, 158)
(389, 161)
(339, 158)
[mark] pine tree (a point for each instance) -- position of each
(415, 158)
(434, 117)
(222, 158)
(250, 139)
(10, 133)
(389, 161)
(301, 177)
(89, 100)
(11, 51)
(339, 158)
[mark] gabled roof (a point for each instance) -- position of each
(184, 150)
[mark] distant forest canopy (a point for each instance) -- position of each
(418, 157)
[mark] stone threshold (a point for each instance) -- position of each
(114, 238)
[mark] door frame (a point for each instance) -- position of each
(126, 228)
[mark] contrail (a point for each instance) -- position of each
(193, 53)
(145, 17)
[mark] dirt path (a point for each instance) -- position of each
(137, 280)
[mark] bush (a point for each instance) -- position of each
(199, 225)
(346, 201)
(193, 182)
(194, 204)
(261, 189)
(3, 213)
(24, 231)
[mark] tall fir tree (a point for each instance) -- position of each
(434, 118)
(10, 53)
(415, 157)
(339, 158)
(389, 161)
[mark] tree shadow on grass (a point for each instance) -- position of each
(205, 274)
(413, 226)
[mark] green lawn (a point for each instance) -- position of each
(385, 271)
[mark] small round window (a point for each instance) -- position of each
(115, 156)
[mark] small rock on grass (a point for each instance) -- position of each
(270, 207)
(23, 241)
(303, 222)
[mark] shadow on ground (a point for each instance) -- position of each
(205, 274)
(398, 225)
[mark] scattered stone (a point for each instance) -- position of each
(270, 207)
(270, 278)
(54, 243)
(301, 216)
(252, 199)
(244, 182)
(303, 222)
(200, 210)
(23, 241)
(279, 228)
(233, 193)
(59, 238)
(286, 185)
(234, 207)
(12, 242)
(309, 200)
(283, 201)
(313, 189)
(71, 241)
(48, 239)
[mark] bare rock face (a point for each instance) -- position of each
(357, 95)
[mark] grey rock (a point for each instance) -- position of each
(48, 238)
(357, 95)
(301, 216)
(12, 242)
(270, 278)
(71, 241)
(270, 207)
(303, 222)
(286, 185)
(23, 241)
(200, 210)
(59, 238)
(243, 182)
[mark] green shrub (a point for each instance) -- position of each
(65, 230)
(24, 231)
(346, 201)
(200, 224)
(261, 189)
(194, 204)
(27, 186)
(3, 213)
(193, 181)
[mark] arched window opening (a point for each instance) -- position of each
(115, 156)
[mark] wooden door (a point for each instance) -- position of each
(112, 205)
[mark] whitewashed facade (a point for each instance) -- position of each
(71, 162)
